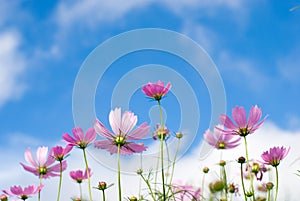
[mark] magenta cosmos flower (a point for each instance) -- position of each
(242, 127)
(79, 176)
(275, 155)
(219, 140)
(185, 192)
(80, 140)
(60, 153)
(156, 90)
(43, 167)
(23, 194)
(122, 126)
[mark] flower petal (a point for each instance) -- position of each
(129, 121)
(29, 158)
(239, 116)
(41, 154)
(139, 133)
(102, 130)
(90, 135)
(115, 120)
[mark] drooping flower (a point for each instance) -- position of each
(156, 90)
(80, 140)
(219, 140)
(185, 192)
(243, 127)
(275, 155)
(257, 169)
(23, 194)
(79, 176)
(122, 126)
(60, 153)
(160, 132)
(43, 167)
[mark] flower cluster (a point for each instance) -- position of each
(124, 138)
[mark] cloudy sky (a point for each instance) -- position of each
(254, 46)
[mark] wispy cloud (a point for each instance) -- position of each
(12, 67)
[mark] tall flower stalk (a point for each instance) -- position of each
(156, 91)
(82, 141)
(273, 158)
(119, 142)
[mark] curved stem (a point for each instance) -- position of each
(249, 171)
(60, 180)
(243, 184)
(119, 174)
(88, 174)
(173, 165)
(225, 181)
(276, 183)
(149, 187)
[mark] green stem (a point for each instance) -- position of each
(80, 191)
(225, 181)
(202, 187)
(103, 195)
(249, 170)
(149, 187)
(173, 164)
(243, 184)
(39, 194)
(276, 183)
(60, 180)
(119, 173)
(162, 137)
(269, 195)
(88, 174)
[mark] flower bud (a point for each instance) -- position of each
(241, 160)
(3, 197)
(102, 185)
(222, 163)
(179, 135)
(205, 169)
(269, 185)
(133, 198)
(139, 171)
(217, 186)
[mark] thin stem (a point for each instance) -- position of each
(39, 194)
(80, 191)
(140, 181)
(249, 171)
(269, 195)
(202, 187)
(243, 184)
(276, 183)
(88, 174)
(103, 195)
(60, 180)
(225, 181)
(119, 173)
(173, 164)
(162, 137)
(149, 187)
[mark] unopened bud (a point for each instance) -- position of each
(179, 135)
(102, 185)
(133, 198)
(222, 163)
(205, 169)
(269, 185)
(241, 160)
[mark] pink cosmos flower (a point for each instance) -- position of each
(185, 192)
(219, 140)
(160, 132)
(122, 126)
(43, 167)
(79, 176)
(80, 140)
(275, 155)
(242, 127)
(60, 153)
(156, 90)
(23, 194)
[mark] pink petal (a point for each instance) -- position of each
(139, 133)
(90, 135)
(131, 148)
(239, 116)
(226, 121)
(115, 120)
(30, 169)
(102, 130)
(209, 138)
(41, 154)
(254, 115)
(78, 134)
(69, 139)
(106, 144)
(29, 158)
(129, 121)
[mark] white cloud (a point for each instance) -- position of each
(188, 169)
(12, 67)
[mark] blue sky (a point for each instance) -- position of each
(254, 45)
